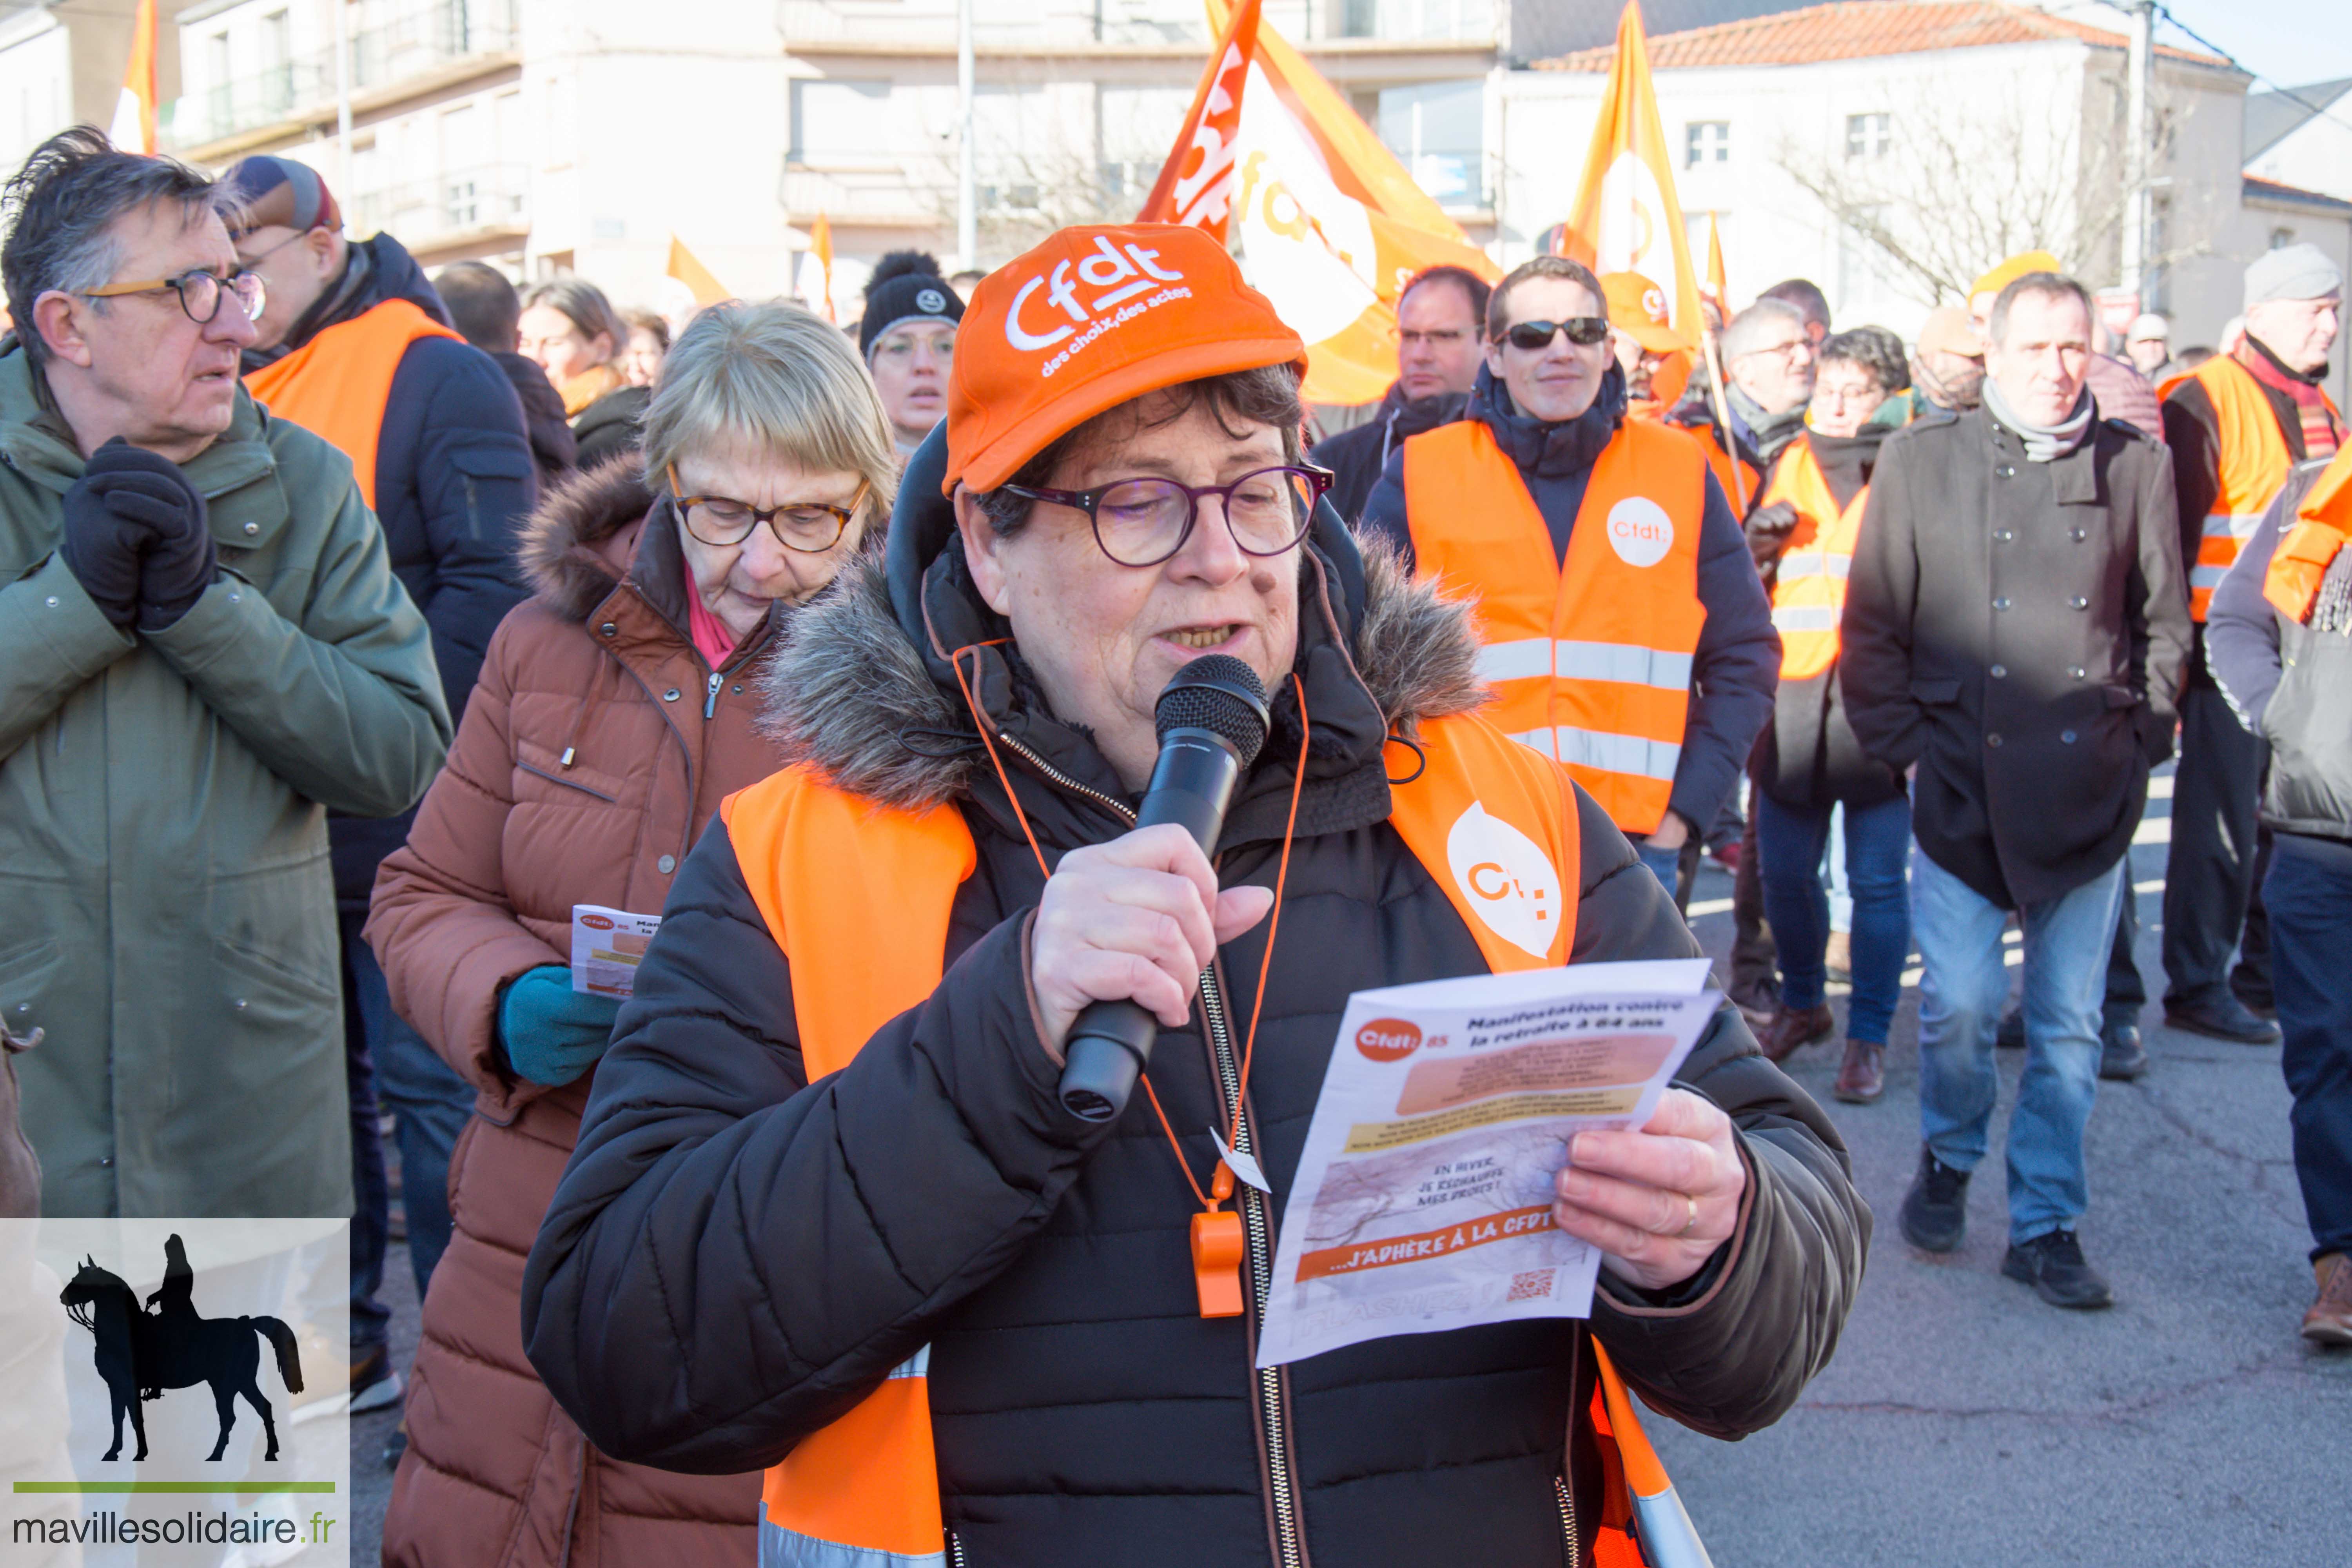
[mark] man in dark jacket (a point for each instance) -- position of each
(2279, 639)
(1736, 663)
(354, 344)
(1438, 354)
(745, 1246)
(2014, 630)
(2236, 426)
(484, 308)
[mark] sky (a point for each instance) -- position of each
(2289, 41)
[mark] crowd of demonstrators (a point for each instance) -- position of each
(204, 648)
(2031, 731)
(570, 330)
(1440, 343)
(1626, 633)
(353, 344)
(619, 707)
(2279, 641)
(824, 1167)
(907, 336)
(487, 312)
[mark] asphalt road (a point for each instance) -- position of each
(1963, 1421)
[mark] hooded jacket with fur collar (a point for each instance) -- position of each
(736, 1256)
(595, 747)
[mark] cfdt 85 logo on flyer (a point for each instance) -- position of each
(1389, 1039)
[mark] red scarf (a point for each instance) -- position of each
(2322, 431)
(711, 638)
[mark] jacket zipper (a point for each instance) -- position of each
(955, 1549)
(1272, 1412)
(710, 703)
(1565, 1480)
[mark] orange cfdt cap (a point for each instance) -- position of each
(1637, 308)
(1095, 317)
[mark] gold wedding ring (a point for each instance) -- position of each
(1691, 1224)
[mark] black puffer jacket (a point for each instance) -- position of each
(734, 1256)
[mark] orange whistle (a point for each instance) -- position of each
(1217, 1262)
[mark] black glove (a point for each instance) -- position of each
(104, 550)
(149, 492)
(1768, 528)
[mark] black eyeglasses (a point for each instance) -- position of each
(809, 527)
(1582, 330)
(200, 292)
(1141, 523)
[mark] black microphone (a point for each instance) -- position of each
(1212, 720)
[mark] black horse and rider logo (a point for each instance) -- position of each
(141, 1353)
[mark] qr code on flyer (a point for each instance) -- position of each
(1532, 1286)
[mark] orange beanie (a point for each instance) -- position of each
(1093, 318)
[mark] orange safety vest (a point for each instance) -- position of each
(858, 896)
(1589, 659)
(2322, 524)
(336, 385)
(2254, 466)
(1809, 588)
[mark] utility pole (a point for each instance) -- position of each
(968, 168)
(343, 102)
(2140, 64)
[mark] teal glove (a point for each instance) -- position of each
(551, 1033)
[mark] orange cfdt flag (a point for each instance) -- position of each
(688, 270)
(133, 129)
(1329, 224)
(1626, 217)
(1196, 186)
(1717, 282)
(821, 246)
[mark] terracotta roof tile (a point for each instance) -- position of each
(1858, 29)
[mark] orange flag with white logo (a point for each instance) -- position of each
(133, 129)
(1716, 283)
(1330, 225)
(821, 250)
(688, 270)
(1196, 186)
(1626, 217)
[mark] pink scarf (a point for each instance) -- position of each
(711, 638)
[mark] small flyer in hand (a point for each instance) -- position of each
(1424, 1196)
(606, 947)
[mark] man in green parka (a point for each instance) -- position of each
(201, 649)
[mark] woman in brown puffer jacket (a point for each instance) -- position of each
(616, 708)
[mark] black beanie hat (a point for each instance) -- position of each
(906, 287)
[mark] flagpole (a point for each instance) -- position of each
(967, 166)
(343, 101)
(1723, 414)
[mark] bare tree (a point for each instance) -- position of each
(1943, 188)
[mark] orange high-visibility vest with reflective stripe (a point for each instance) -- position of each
(1809, 588)
(1589, 659)
(2322, 524)
(336, 385)
(859, 894)
(2256, 462)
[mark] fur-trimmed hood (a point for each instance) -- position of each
(851, 691)
(576, 545)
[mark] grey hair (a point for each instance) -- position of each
(585, 307)
(770, 378)
(2053, 285)
(1744, 334)
(61, 208)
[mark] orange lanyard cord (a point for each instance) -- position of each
(1273, 917)
(980, 719)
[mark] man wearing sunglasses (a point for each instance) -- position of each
(1626, 631)
(353, 344)
(203, 648)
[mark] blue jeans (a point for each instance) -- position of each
(1673, 868)
(429, 1105)
(1789, 840)
(1962, 991)
(2308, 891)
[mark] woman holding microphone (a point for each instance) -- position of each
(828, 1213)
(618, 707)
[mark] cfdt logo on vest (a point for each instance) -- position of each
(1134, 282)
(1640, 531)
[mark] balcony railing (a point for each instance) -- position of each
(1409, 21)
(421, 213)
(910, 24)
(408, 45)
